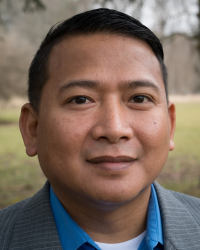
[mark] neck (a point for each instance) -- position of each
(117, 223)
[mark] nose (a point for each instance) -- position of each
(112, 123)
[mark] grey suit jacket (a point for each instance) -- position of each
(30, 225)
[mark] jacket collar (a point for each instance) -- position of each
(35, 226)
(180, 219)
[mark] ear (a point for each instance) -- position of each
(28, 123)
(172, 119)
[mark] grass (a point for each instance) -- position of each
(21, 176)
(187, 136)
(8, 116)
(182, 170)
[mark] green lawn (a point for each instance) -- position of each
(9, 115)
(20, 176)
(182, 170)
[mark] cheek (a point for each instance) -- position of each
(153, 136)
(60, 133)
(60, 140)
(153, 129)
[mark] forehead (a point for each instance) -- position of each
(111, 58)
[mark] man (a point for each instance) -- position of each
(101, 124)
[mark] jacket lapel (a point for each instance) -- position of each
(35, 226)
(180, 219)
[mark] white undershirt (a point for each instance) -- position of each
(127, 245)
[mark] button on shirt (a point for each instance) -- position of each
(73, 237)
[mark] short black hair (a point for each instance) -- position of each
(90, 22)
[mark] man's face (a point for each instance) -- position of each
(104, 125)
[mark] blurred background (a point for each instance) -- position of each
(24, 24)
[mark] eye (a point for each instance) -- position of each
(80, 100)
(140, 99)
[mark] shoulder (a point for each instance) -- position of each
(186, 200)
(21, 216)
(189, 203)
(8, 217)
(9, 213)
(180, 218)
(12, 210)
(171, 197)
(177, 208)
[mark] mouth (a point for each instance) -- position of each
(110, 163)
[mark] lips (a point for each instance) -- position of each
(110, 163)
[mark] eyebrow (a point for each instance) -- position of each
(79, 83)
(88, 84)
(142, 83)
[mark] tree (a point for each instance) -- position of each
(20, 21)
(8, 8)
(167, 19)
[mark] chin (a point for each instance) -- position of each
(111, 198)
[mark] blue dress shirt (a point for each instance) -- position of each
(153, 239)
(72, 237)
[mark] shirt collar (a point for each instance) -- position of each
(154, 234)
(72, 236)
